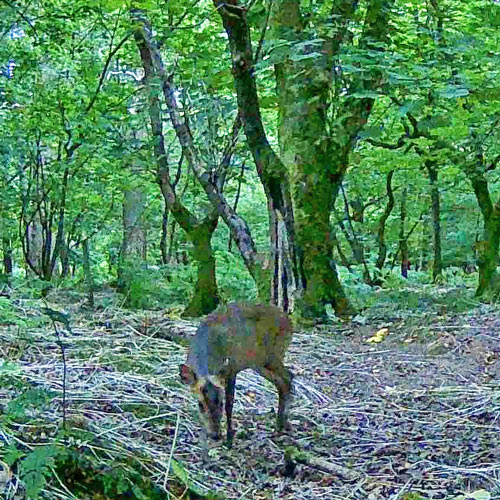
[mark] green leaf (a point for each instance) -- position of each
(9, 368)
(11, 454)
(34, 468)
(364, 94)
(454, 92)
(370, 132)
(179, 471)
(138, 493)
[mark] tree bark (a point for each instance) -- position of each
(163, 240)
(437, 263)
(317, 160)
(134, 202)
(357, 246)
(206, 294)
(487, 248)
(236, 200)
(382, 246)
(403, 240)
(7, 256)
(87, 271)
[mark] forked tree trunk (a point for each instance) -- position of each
(254, 262)
(206, 295)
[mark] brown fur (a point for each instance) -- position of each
(232, 339)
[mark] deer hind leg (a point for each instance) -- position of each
(230, 389)
(281, 377)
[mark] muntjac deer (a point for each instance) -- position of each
(232, 339)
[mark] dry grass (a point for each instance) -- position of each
(419, 416)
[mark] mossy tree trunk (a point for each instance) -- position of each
(206, 295)
(314, 158)
(487, 248)
(315, 150)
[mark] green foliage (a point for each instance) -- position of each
(8, 315)
(233, 279)
(120, 479)
(163, 287)
(35, 467)
(26, 403)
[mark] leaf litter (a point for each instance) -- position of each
(416, 415)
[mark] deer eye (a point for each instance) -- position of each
(201, 407)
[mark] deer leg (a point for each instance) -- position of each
(230, 389)
(281, 377)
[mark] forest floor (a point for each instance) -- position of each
(415, 415)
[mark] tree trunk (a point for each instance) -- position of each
(134, 202)
(34, 246)
(315, 152)
(357, 246)
(403, 240)
(489, 280)
(87, 271)
(437, 264)
(172, 245)
(424, 246)
(7, 256)
(163, 240)
(382, 247)
(487, 249)
(236, 200)
(343, 259)
(306, 151)
(206, 295)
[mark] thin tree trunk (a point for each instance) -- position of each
(236, 200)
(7, 256)
(437, 264)
(87, 271)
(357, 246)
(382, 246)
(343, 259)
(163, 240)
(403, 241)
(172, 245)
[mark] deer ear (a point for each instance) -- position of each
(187, 374)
